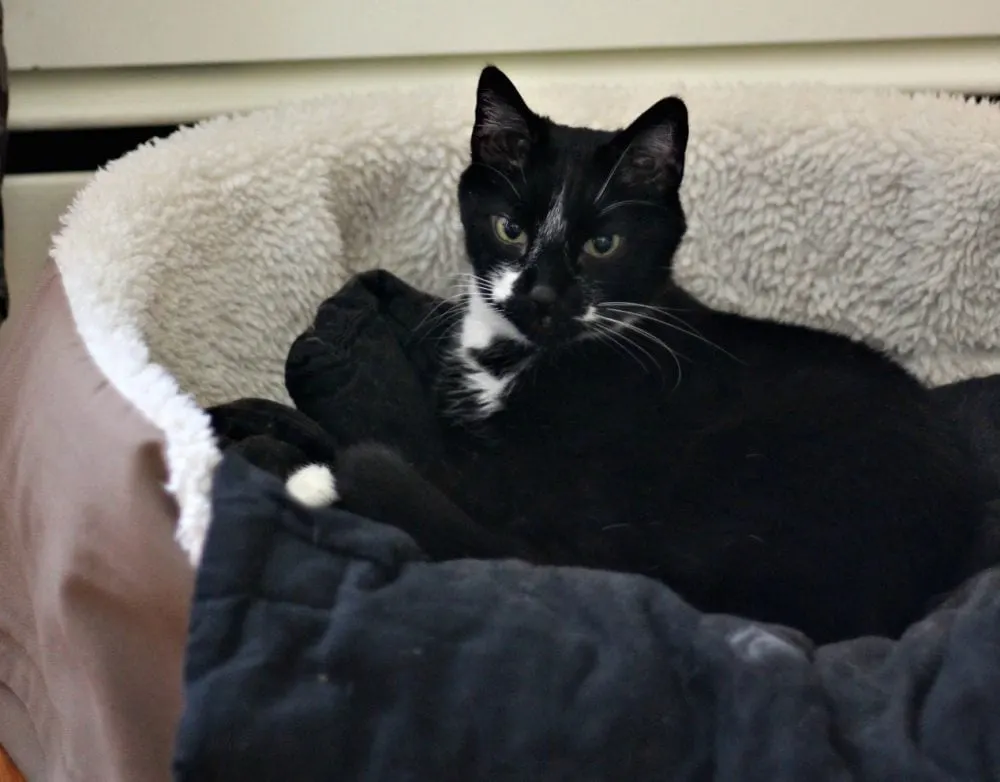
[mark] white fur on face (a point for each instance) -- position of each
(502, 284)
(553, 227)
(482, 325)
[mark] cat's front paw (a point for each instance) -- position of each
(314, 485)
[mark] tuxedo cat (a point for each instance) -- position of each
(595, 414)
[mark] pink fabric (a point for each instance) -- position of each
(95, 593)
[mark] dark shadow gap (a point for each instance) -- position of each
(48, 151)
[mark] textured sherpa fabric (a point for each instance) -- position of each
(192, 263)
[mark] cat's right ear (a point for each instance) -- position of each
(504, 129)
(651, 150)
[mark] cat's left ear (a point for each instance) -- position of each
(651, 150)
(505, 127)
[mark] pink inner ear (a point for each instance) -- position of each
(502, 133)
(658, 142)
(503, 149)
(652, 157)
(498, 117)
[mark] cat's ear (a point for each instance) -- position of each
(650, 151)
(504, 129)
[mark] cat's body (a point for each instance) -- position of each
(798, 477)
(594, 414)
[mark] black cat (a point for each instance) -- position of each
(598, 415)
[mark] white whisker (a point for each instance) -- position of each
(655, 307)
(632, 327)
(625, 324)
(612, 338)
(615, 322)
(501, 174)
(614, 170)
(685, 327)
(631, 202)
(440, 311)
(439, 316)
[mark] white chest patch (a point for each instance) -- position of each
(488, 390)
(481, 326)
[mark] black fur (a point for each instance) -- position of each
(767, 470)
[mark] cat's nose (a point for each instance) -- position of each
(543, 295)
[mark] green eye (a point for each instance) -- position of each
(508, 231)
(603, 246)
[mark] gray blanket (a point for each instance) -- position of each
(324, 647)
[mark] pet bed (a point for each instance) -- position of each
(180, 279)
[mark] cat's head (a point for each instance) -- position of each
(569, 227)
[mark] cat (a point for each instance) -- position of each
(595, 414)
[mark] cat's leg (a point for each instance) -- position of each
(376, 482)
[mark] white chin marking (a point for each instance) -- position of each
(590, 315)
(502, 284)
(482, 324)
(313, 485)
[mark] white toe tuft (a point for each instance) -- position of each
(313, 485)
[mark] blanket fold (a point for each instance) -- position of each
(365, 368)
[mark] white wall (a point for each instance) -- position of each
(97, 33)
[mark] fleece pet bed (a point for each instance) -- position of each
(185, 270)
